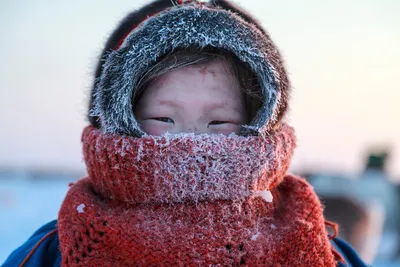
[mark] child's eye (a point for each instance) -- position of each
(217, 122)
(163, 119)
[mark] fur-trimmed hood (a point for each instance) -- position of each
(164, 26)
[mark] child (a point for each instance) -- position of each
(187, 153)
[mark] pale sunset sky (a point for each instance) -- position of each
(343, 58)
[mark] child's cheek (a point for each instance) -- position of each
(227, 129)
(155, 129)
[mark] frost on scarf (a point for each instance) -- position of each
(186, 167)
(191, 200)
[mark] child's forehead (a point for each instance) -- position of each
(218, 65)
(214, 68)
(198, 83)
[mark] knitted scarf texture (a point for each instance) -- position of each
(191, 200)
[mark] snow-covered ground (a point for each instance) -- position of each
(27, 204)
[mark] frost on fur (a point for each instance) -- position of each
(179, 28)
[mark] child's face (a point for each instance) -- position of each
(193, 99)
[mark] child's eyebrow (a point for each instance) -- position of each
(173, 103)
(207, 107)
(222, 105)
(169, 103)
(217, 105)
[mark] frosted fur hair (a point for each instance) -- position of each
(164, 26)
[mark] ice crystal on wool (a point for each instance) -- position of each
(188, 167)
(80, 208)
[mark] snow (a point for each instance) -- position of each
(26, 205)
(80, 208)
(266, 195)
(254, 237)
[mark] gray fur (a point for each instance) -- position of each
(181, 27)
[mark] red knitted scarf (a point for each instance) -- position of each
(191, 200)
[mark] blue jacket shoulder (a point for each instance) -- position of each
(349, 254)
(41, 249)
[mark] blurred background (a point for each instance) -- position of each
(343, 59)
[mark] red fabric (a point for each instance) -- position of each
(190, 200)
